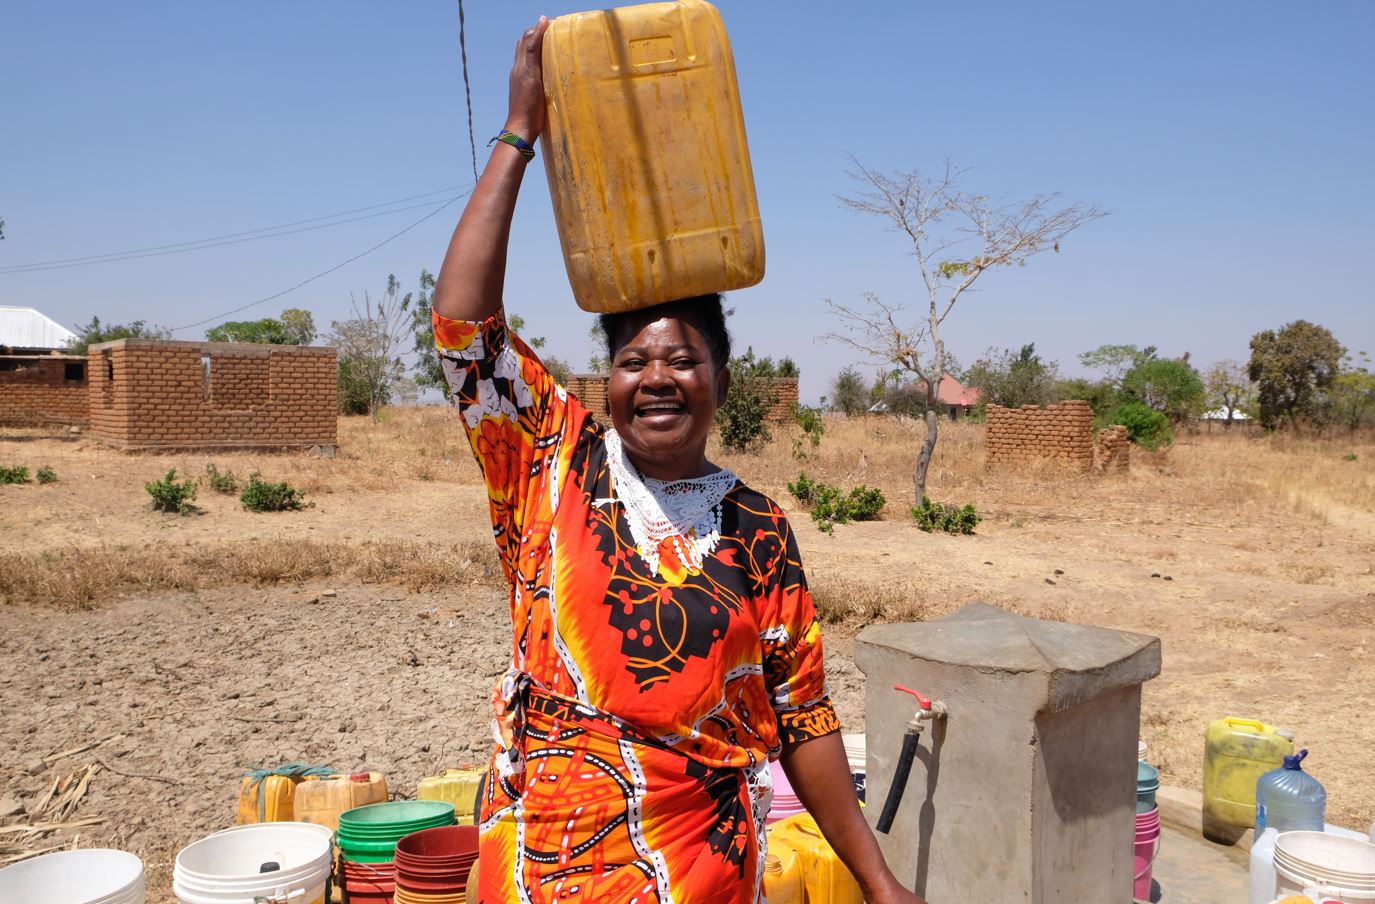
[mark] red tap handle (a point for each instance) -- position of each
(923, 702)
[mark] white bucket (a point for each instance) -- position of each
(1334, 865)
(94, 876)
(1141, 751)
(855, 751)
(223, 868)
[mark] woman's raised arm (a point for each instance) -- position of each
(470, 281)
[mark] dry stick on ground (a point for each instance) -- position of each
(54, 757)
(142, 775)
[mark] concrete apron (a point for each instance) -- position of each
(1190, 869)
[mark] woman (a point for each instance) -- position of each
(665, 643)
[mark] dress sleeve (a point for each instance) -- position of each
(513, 412)
(794, 670)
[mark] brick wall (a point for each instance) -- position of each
(591, 391)
(47, 389)
(1114, 448)
(154, 394)
(1058, 434)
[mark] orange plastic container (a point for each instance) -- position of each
(644, 147)
(322, 801)
(823, 875)
(458, 787)
(270, 800)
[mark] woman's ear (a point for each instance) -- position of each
(722, 385)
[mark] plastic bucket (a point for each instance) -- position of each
(92, 876)
(409, 897)
(1147, 782)
(226, 867)
(1146, 847)
(1332, 864)
(1141, 750)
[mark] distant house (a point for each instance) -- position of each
(1221, 414)
(953, 399)
(25, 331)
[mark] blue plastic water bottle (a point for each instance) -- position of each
(1289, 799)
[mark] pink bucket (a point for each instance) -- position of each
(1146, 848)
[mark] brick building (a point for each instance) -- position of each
(43, 389)
(160, 394)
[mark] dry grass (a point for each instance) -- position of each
(80, 578)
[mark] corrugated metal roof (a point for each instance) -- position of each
(27, 328)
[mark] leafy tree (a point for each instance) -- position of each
(1116, 360)
(742, 420)
(1169, 386)
(956, 237)
(1101, 395)
(1351, 398)
(599, 362)
(1147, 427)
(369, 344)
(429, 373)
(1291, 367)
(1011, 379)
(1229, 389)
(96, 332)
(850, 392)
(295, 327)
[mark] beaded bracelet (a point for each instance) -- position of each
(527, 150)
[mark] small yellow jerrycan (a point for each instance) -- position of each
(1237, 752)
(323, 800)
(824, 877)
(269, 794)
(456, 786)
(783, 882)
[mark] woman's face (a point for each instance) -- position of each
(663, 394)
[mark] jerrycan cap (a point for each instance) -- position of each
(1293, 761)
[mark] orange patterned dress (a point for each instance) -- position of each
(635, 724)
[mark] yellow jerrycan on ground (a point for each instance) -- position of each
(323, 800)
(644, 147)
(456, 786)
(824, 877)
(1236, 752)
(269, 794)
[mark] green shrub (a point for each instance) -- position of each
(829, 506)
(14, 475)
(170, 496)
(940, 517)
(1350, 456)
(46, 474)
(1148, 428)
(225, 483)
(813, 428)
(264, 496)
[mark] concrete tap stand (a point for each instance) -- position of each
(1026, 791)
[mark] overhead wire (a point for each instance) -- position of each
(232, 238)
(322, 273)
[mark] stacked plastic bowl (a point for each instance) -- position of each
(1147, 783)
(90, 876)
(367, 840)
(432, 865)
(287, 861)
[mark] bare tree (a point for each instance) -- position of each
(369, 343)
(956, 236)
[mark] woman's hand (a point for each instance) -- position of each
(526, 112)
(896, 894)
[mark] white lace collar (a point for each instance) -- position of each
(687, 511)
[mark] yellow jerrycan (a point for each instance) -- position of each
(824, 877)
(269, 794)
(644, 147)
(322, 801)
(1236, 752)
(458, 787)
(783, 882)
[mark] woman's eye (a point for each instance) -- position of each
(683, 363)
(631, 364)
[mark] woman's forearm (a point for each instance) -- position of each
(474, 270)
(820, 775)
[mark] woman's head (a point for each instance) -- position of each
(669, 373)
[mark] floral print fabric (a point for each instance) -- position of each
(641, 706)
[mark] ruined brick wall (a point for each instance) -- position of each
(1062, 434)
(591, 391)
(155, 394)
(1114, 448)
(46, 389)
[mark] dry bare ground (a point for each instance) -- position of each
(194, 646)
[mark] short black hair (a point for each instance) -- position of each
(706, 312)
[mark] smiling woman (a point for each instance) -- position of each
(665, 646)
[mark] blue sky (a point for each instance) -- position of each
(1231, 141)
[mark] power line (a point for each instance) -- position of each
(214, 241)
(467, 91)
(304, 282)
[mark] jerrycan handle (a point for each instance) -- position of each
(1253, 723)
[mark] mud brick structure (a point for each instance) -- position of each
(1114, 448)
(43, 389)
(591, 391)
(158, 394)
(1057, 434)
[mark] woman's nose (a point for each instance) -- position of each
(657, 373)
